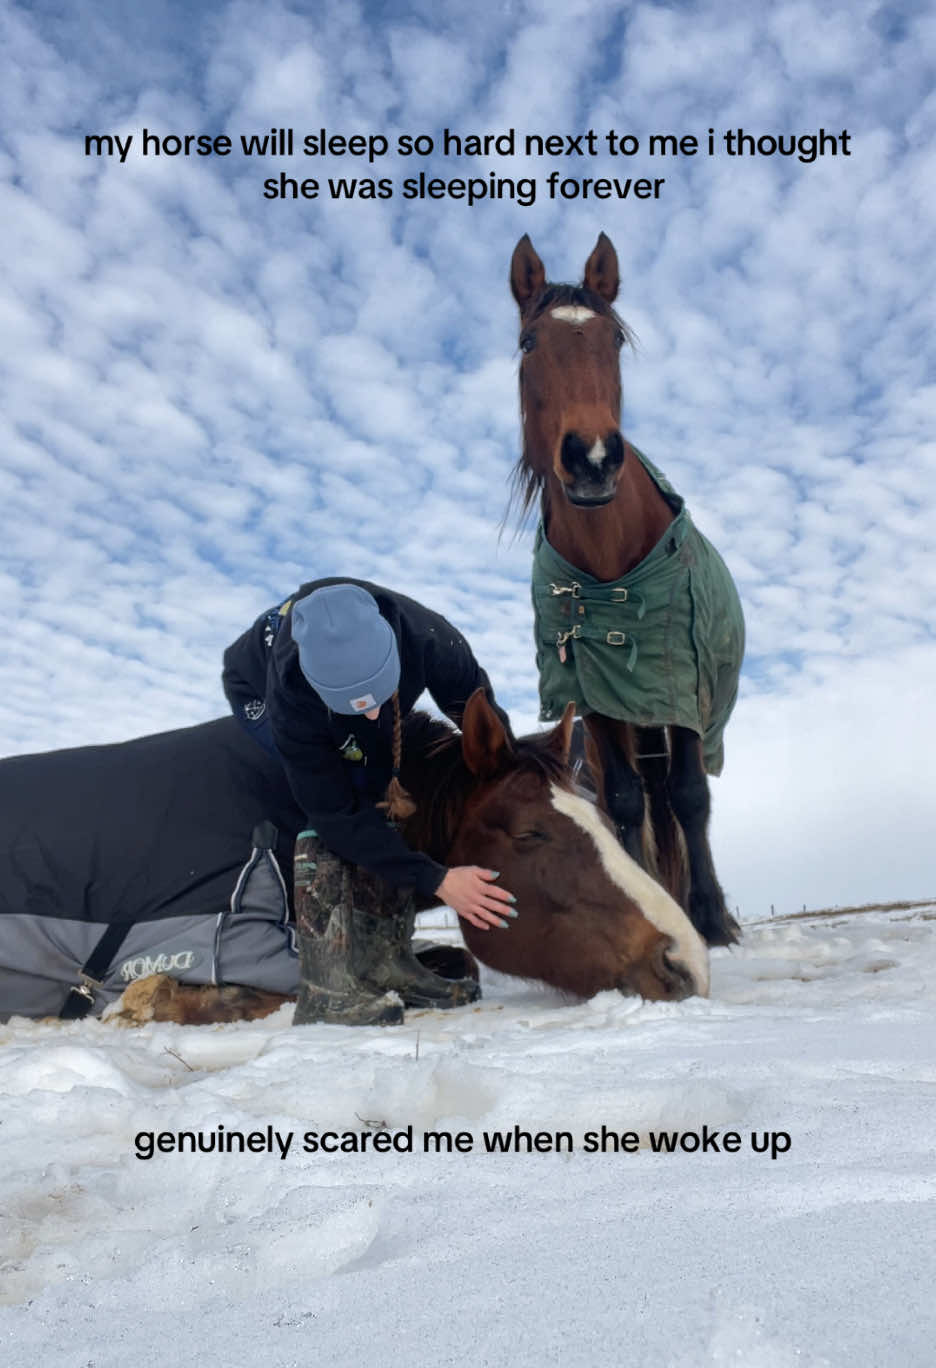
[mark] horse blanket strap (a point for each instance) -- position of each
(662, 646)
(80, 998)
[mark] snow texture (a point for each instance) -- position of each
(824, 1255)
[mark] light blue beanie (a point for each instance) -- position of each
(347, 651)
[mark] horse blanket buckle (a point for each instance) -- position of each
(562, 637)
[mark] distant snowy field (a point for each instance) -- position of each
(823, 1029)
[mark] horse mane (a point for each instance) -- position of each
(526, 484)
(436, 776)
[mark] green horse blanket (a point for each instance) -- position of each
(661, 646)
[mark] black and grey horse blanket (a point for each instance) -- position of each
(662, 646)
(160, 836)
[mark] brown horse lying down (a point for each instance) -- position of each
(589, 917)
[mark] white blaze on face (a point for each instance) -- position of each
(654, 902)
(597, 453)
(573, 313)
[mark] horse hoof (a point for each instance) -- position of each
(448, 961)
(457, 993)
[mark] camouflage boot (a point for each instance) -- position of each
(330, 986)
(383, 920)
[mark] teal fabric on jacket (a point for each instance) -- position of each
(663, 645)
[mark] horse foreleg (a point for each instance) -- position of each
(161, 998)
(669, 864)
(620, 787)
(689, 797)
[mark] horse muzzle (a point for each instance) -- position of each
(665, 977)
(588, 470)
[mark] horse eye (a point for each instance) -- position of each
(619, 339)
(527, 342)
(531, 835)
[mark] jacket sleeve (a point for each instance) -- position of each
(351, 827)
(244, 675)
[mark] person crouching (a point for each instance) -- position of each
(323, 681)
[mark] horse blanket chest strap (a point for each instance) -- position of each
(661, 646)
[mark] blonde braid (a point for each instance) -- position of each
(397, 804)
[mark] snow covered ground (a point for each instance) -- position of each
(821, 1030)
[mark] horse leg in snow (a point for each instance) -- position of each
(161, 998)
(689, 797)
(332, 959)
(385, 918)
(667, 857)
(620, 787)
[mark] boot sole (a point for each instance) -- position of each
(333, 1010)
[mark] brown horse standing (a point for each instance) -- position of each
(604, 513)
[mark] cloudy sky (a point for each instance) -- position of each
(210, 396)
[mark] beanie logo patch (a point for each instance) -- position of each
(364, 703)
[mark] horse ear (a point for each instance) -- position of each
(601, 270)
(560, 738)
(484, 737)
(527, 273)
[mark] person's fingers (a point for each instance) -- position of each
(484, 920)
(490, 890)
(487, 916)
(504, 911)
(470, 890)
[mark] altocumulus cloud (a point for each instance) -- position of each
(210, 397)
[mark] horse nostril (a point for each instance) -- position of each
(614, 451)
(575, 455)
(675, 974)
(593, 460)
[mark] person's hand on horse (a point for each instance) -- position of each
(471, 892)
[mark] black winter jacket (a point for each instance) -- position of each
(338, 766)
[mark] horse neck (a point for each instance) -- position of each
(608, 541)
